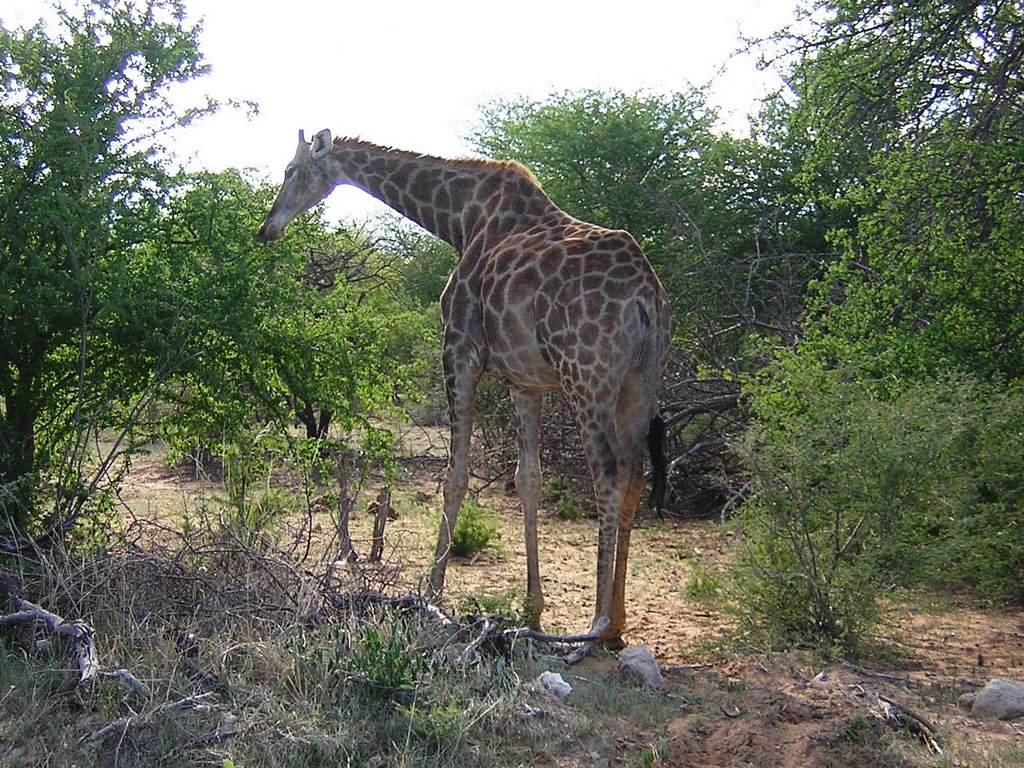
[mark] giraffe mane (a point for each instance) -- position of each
(462, 163)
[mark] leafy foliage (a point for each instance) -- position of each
(930, 280)
(80, 187)
(863, 486)
(916, 114)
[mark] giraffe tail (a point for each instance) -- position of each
(659, 466)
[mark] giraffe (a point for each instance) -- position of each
(544, 302)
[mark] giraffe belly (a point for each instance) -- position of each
(513, 353)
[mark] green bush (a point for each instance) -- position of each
(474, 530)
(861, 486)
(385, 660)
(560, 497)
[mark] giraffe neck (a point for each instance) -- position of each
(457, 200)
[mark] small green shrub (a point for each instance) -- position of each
(384, 659)
(437, 724)
(703, 586)
(561, 498)
(497, 604)
(866, 485)
(474, 530)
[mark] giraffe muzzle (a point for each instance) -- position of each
(267, 234)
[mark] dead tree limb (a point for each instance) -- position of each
(80, 636)
(915, 723)
(199, 703)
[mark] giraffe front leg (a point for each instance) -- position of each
(456, 483)
(460, 381)
(528, 485)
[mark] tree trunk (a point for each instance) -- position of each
(17, 463)
(316, 426)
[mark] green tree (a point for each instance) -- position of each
(307, 329)
(916, 112)
(80, 187)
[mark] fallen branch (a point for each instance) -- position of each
(904, 681)
(897, 715)
(470, 650)
(79, 634)
(915, 723)
(82, 639)
(542, 637)
(483, 629)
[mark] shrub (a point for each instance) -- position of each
(385, 660)
(474, 530)
(561, 497)
(864, 485)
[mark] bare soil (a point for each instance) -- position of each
(726, 703)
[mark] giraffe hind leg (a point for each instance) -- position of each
(528, 485)
(604, 470)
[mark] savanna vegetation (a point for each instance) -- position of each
(845, 394)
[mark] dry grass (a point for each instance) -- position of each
(258, 658)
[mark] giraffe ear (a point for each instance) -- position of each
(322, 143)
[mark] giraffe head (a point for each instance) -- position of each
(307, 181)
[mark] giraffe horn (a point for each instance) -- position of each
(302, 136)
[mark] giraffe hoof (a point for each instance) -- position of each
(606, 635)
(612, 643)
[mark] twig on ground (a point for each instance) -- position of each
(904, 681)
(198, 703)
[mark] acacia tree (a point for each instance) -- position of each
(80, 188)
(305, 327)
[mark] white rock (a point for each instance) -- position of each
(552, 682)
(1001, 698)
(639, 663)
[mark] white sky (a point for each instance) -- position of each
(411, 74)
